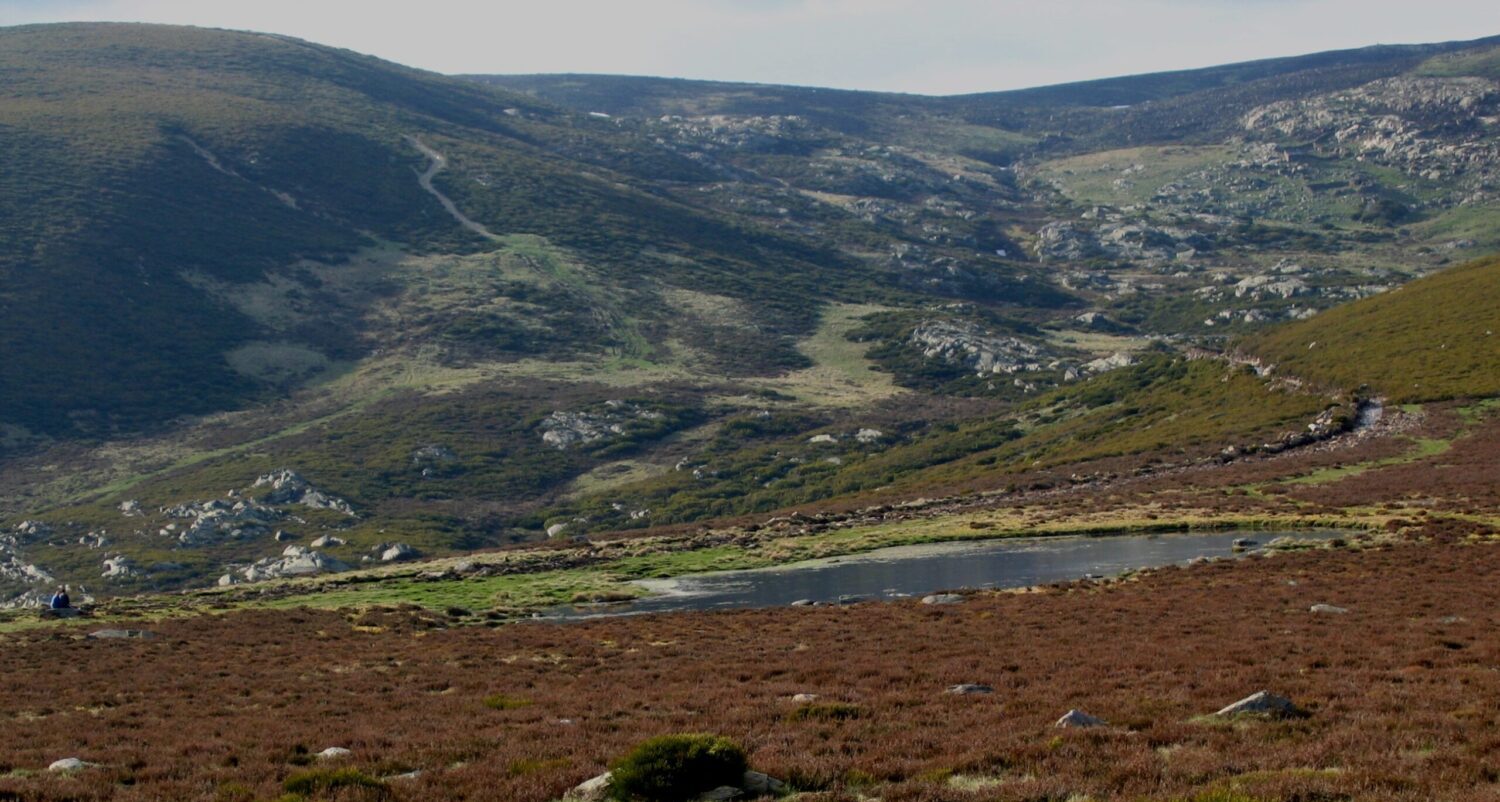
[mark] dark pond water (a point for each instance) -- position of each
(920, 570)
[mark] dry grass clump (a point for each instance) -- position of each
(1402, 691)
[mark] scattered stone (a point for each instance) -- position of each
(433, 453)
(868, 436)
(1328, 608)
(1078, 718)
(594, 789)
(805, 697)
(822, 439)
(759, 784)
(327, 541)
(943, 598)
(69, 764)
(803, 603)
(123, 634)
(396, 552)
(334, 753)
(1263, 703)
(119, 567)
(556, 529)
(131, 508)
(228, 580)
(410, 775)
(966, 689)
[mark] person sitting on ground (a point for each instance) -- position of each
(60, 599)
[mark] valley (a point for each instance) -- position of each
(329, 384)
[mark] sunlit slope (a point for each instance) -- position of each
(1435, 338)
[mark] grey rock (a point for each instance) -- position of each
(723, 793)
(123, 634)
(966, 689)
(288, 487)
(1327, 609)
(69, 764)
(1245, 543)
(757, 783)
(594, 789)
(327, 541)
(397, 552)
(1078, 718)
(805, 697)
(943, 598)
(334, 753)
(1263, 703)
(119, 567)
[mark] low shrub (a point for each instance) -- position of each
(676, 768)
(826, 711)
(322, 781)
(499, 701)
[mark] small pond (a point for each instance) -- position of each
(920, 570)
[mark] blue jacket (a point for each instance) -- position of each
(60, 601)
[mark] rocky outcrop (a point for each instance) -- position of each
(294, 561)
(1428, 127)
(219, 520)
(288, 487)
(563, 430)
(965, 343)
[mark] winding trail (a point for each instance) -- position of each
(439, 162)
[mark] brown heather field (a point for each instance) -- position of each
(1404, 692)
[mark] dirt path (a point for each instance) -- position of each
(439, 161)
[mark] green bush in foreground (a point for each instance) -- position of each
(675, 768)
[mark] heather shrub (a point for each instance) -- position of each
(500, 701)
(826, 711)
(675, 768)
(321, 781)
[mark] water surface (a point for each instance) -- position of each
(920, 570)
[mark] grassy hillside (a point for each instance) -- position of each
(145, 164)
(1435, 338)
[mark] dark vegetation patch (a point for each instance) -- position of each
(676, 768)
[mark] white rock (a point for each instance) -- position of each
(943, 598)
(1327, 608)
(1263, 703)
(334, 753)
(1078, 718)
(69, 764)
(591, 790)
(397, 552)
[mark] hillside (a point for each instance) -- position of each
(156, 177)
(1431, 340)
(274, 308)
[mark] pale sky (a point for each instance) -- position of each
(926, 46)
